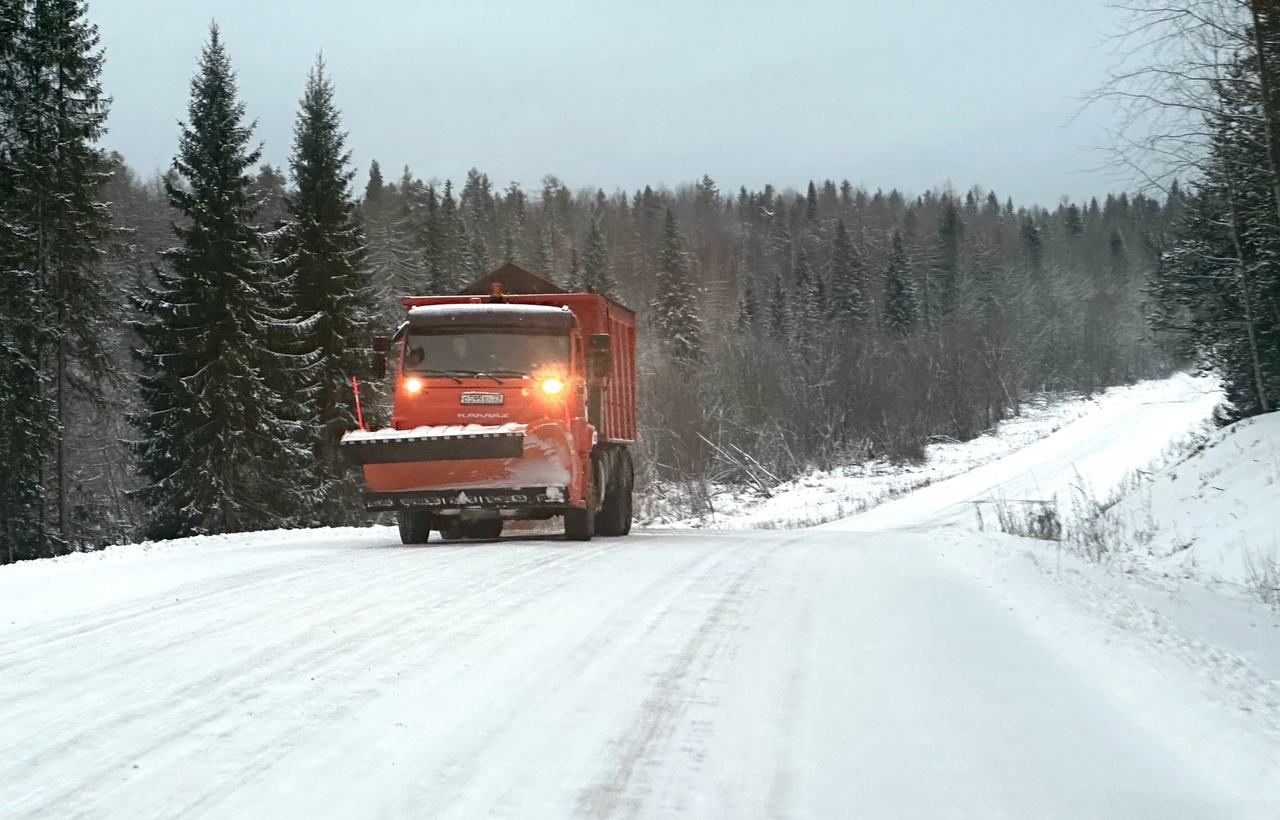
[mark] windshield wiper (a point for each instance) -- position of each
(455, 374)
(452, 374)
(475, 374)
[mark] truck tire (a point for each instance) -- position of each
(579, 524)
(615, 514)
(450, 527)
(487, 528)
(415, 526)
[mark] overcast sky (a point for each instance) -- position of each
(912, 94)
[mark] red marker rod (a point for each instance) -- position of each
(355, 388)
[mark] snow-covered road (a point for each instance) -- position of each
(725, 674)
(817, 673)
(1090, 455)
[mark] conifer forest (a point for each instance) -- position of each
(176, 350)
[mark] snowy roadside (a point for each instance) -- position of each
(1188, 580)
(1169, 610)
(52, 587)
(1164, 595)
(825, 496)
(1199, 665)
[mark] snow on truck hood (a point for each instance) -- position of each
(490, 313)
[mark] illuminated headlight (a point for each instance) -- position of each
(552, 386)
(412, 385)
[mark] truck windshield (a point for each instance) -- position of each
(496, 353)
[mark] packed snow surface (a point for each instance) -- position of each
(1216, 515)
(919, 669)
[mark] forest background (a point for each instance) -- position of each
(176, 351)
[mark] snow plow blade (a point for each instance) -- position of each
(432, 447)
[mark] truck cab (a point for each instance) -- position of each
(486, 364)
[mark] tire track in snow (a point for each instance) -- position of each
(82, 735)
(96, 644)
(461, 625)
(672, 694)
(631, 623)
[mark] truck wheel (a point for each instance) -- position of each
(415, 526)
(579, 524)
(486, 528)
(450, 527)
(628, 512)
(615, 513)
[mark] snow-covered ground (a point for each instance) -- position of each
(1215, 516)
(838, 494)
(902, 663)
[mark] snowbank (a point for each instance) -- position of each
(1216, 515)
(32, 591)
(1090, 451)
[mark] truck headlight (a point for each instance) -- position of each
(552, 386)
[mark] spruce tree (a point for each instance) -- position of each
(900, 311)
(456, 266)
(1074, 224)
(779, 308)
(269, 192)
(1039, 326)
(514, 219)
(807, 306)
(848, 297)
(375, 190)
(675, 318)
(946, 273)
(433, 242)
(1219, 286)
(596, 273)
(477, 256)
(219, 436)
(479, 212)
(24, 405)
(56, 228)
(334, 300)
(389, 247)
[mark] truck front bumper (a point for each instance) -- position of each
(509, 498)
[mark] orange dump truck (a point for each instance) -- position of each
(512, 400)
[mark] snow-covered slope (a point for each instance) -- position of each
(1216, 515)
(1181, 404)
(1127, 429)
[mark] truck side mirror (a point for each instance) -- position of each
(381, 346)
(600, 355)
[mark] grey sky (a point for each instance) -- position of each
(886, 93)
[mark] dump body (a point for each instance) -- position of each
(510, 405)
